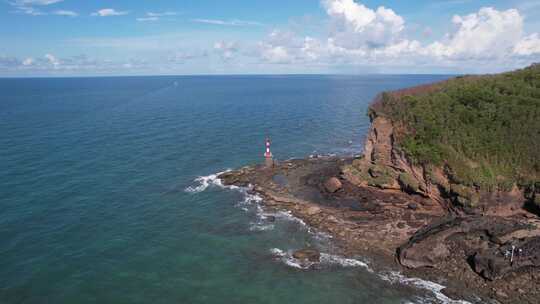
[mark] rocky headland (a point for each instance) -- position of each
(451, 211)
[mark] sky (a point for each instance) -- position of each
(41, 38)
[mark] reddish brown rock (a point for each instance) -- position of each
(333, 184)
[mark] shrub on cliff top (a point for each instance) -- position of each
(484, 129)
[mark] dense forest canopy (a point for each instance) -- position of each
(485, 130)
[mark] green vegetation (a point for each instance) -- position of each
(374, 175)
(484, 130)
(408, 182)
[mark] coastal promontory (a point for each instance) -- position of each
(447, 187)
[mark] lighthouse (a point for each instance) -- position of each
(268, 159)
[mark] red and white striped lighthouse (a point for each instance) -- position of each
(268, 158)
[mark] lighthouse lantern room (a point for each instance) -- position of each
(268, 158)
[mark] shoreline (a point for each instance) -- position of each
(381, 266)
(367, 222)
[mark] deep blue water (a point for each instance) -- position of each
(94, 171)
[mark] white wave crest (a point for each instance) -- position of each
(342, 261)
(290, 217)
(260, 226)
(325, 260)
(203, 182)
(436, 289)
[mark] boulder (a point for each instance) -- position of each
(494, 264)
(483, 241)
(312, 210)
(307, 254)
(333, 184)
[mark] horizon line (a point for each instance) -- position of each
(236, 75)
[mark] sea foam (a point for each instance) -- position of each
(253, 201)
(436, 289)
(325, 260)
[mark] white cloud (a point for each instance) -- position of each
(28, 61)
(226, 50)
(487, 33)
(52, 60)
(35, 2)
(276, 54)
(356, 26)
(65, 13)
(107, 12)
(528, 45)
(27, 6)
(362, 36)
(356, 36)
(234, 22)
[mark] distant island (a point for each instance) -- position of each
(447, 189)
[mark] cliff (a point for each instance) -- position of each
(470, 143)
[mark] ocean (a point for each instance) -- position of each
(108, 191)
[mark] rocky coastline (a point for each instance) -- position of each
(381, 206)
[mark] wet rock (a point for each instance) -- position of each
(368, 206)
(271, 218)
(495, 263)
(333, 184)
(238, 178)
(313, 210)
(482, 241)
(501, 294)
(412, 206)
(307, 254)
(280, 180)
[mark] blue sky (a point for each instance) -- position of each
(78, 38)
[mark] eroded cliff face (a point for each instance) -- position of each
(384, 165)
(481, 231)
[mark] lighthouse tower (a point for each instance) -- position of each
(268, 159)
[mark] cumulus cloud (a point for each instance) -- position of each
(355, 25)
(488, 33)
(356, 35)
(528, 45)
(108, 12)
(360, 35)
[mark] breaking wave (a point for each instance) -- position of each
(325, 260)
(203, 182)
(252, 202)
(396, 277)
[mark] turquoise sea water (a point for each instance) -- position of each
(99, 202)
